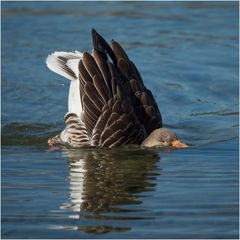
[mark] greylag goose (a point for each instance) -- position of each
(108, 104)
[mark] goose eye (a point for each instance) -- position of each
(163, 141)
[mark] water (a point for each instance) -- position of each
(187, 54)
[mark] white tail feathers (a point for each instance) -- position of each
(64, 63)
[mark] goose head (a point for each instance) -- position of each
(163, 137)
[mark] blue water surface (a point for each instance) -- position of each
(187, 54)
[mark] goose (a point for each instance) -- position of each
(108, 103)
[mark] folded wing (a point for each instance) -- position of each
(107, 110)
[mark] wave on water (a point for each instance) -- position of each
(220, 113)
(28, 133)
(37, 134)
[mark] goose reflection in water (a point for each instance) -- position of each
(108, 185)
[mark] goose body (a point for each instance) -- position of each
(108, 103)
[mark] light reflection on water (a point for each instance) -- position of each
(83, 193)
(106, 185)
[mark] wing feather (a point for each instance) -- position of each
(117, 107)
(101, 89)
(90, 65)
(103, 67)
(143, 102)
(93, 95)
(91, 109)
(113, 138)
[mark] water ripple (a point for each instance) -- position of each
(27, 133)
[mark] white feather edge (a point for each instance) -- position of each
(53, 63)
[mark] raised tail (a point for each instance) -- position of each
(64, 63)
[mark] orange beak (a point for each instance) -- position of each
(179, 144)
(50, 142)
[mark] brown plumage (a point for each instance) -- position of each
(109, 105)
